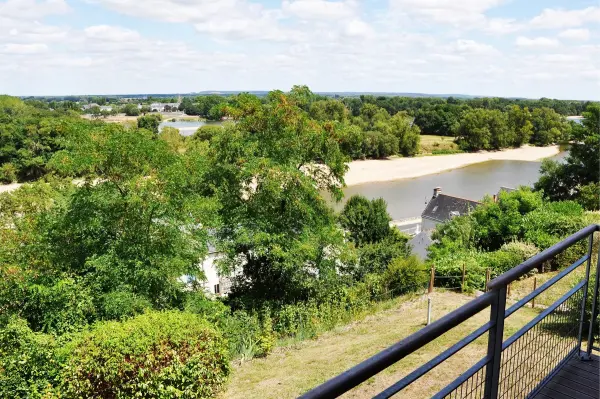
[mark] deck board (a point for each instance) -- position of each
(575, 380)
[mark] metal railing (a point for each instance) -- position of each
(513, 368)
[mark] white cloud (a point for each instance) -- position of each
(320, 9)
(111, 33)
(523, 41)
(226, 19)
(447, 11)
(358, 28)
(13, 48)
(474, 48)
(502, 25)
(32, 9)
(575, 34)
(560, 18)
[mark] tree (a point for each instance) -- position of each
(149, 122)
(577, 178)
(328, 110)
(482, 129)
(366, 221)
(408, 134)
(519, 121)
(131, 110)
(268, 170)
(548, 126)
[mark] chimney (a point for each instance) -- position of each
(436, 191)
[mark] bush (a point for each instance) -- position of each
(8, 173)
(367, 221)
(405, 275)
(375, 257)
(65, 306)
(155, 355)
(28, 367)
(119, 305)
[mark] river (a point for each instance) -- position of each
(406, 198)
(186, 128)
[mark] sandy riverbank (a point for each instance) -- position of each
(369, 171)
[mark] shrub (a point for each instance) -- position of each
(8, 173)
(61, 307)
(155, 355)
(375, 257)
(367, 221)
(405, 275)
(28, 367)
(118, 305)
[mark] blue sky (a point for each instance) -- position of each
(525, 48)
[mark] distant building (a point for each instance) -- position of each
(439, 209)
(442, 208)
(164, 107)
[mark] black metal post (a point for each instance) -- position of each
(495, 336)
(588, 353)
(585, 292)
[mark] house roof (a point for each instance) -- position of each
(444, 207)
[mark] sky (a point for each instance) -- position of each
(509, 48)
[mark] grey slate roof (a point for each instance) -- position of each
(444, 207)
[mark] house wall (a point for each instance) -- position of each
(428, 224)
(210, 271)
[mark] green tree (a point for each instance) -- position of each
(367, 221)
(519, 121)
(408, 134)
(577, 178)
(548, 126)
(149, 122)
(268, 170)
(482, 129)
(131, 110)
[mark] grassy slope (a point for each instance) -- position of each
(292, 370)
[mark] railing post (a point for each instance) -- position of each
(588, 353)
(585, 293)
(495, 337)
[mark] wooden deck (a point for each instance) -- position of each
(575, 380)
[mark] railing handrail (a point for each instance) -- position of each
(495, 298)
(536, 260)
(373, 365)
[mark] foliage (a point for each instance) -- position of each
(375, 257)
(482, 129)
(578, 177)
(131, 110)
(268, 170)
(548, 126)
(404, 275)
(367, 221)
(162, 355)
(206, 132)
(149, 122)
(28, 364)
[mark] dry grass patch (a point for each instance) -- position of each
(291, 371)
(437, 144)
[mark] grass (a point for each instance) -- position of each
(438, 144)
(292, 370)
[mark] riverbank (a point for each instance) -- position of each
(382, 170)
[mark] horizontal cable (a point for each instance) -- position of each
(529, 264)
(368, 368)
(462, 378)
(541, 316)
(545, 286)
(430, 365)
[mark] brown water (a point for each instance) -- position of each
(406, 198)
